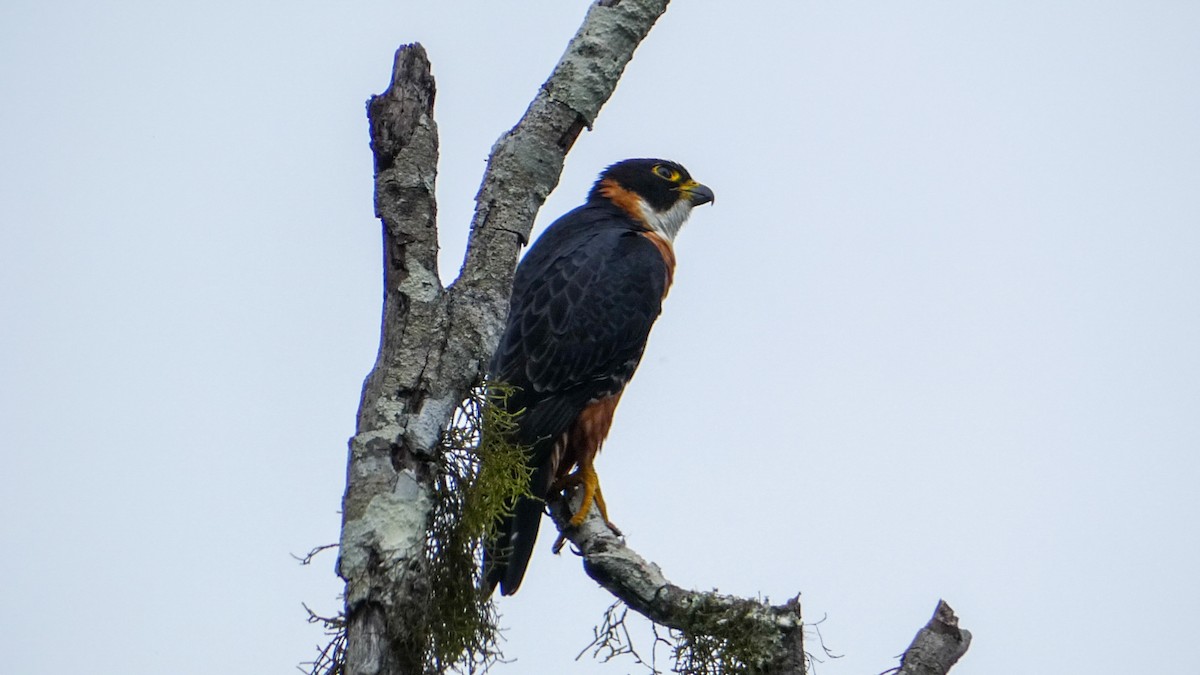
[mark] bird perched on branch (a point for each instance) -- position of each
(583, 301)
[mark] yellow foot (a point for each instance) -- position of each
(587, 477)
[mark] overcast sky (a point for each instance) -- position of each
(939, 336)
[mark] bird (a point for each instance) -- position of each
(583, 301)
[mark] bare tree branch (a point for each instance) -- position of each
(642, 585)
(387, 501)
(937, 646)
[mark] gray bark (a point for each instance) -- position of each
(436, 340)
(937, 646)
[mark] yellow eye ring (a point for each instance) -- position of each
(666, 173)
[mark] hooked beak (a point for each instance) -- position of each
(697, 193)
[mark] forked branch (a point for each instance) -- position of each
(434, 341)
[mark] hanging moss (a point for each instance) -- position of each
(480, 477)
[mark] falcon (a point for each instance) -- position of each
(584, 299)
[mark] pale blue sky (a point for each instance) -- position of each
(936, 338)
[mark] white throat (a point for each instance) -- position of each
(667, 223)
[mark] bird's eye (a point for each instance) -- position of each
(666, 173)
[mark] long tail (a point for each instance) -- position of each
(507, 557)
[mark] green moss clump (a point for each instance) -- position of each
(716, 639)
(719, 640)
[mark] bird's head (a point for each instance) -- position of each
(656, 192)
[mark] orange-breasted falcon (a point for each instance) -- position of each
(583, 301)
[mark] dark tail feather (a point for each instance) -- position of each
(507, 558)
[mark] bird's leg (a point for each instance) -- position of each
(591, 488)
(586, 476)
(604, 512)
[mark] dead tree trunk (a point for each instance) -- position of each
(436, 340)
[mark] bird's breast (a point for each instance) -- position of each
(667, 251)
